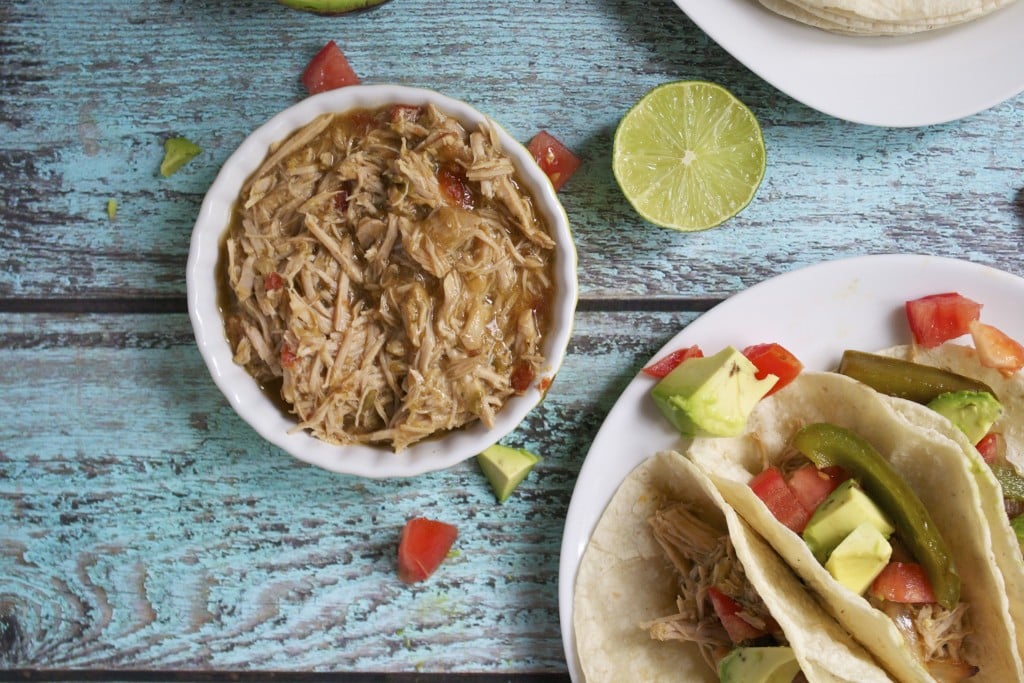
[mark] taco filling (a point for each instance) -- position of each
(718, 608)
(875, 507)
(884, 548)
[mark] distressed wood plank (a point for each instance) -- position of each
(148, 527)
(84, 110)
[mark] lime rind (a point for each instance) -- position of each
(689, 155)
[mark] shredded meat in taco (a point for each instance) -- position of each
(388, 276)
(704, 559)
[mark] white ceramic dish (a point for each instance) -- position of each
(916, 80)
(816, 313)
(243, 392)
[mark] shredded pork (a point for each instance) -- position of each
(389, 275)
(703, 557)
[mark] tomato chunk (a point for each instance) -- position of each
(996, 349)
(774, 359)
(812, 486)
(903, 582)
(937, 318)
(454, 186)
(781, 501)
(328, 70)
(670, 361)
(423, 546)
(728, 612)
(988, 447)
(554, 158)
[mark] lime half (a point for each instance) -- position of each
(688, 155)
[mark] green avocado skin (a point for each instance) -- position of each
(331, 6)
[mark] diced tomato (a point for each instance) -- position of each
(728, 612)
(903, 582)
(272, 281)
(328, 70)
(454, 186)
(937, 318)
(423, 546)
(988, 447)
(288, 357)
(522, 376)
(774, 359)
(996, 349)
(669, 362)
(782, 502)
(553, 157)
(811, 486)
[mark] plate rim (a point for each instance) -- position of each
(958, 94)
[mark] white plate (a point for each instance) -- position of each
(914, 80)
(815, 312)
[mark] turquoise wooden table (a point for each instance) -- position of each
(148, 533)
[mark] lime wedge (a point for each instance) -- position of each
(688, 155)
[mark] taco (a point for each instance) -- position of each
(870, 18)
(993, 450)
(928, 511)
(667, 557)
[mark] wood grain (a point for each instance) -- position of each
(90, 92)
(147, 526)
(149, 533)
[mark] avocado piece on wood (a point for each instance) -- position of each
(331, 6)
(505, 467)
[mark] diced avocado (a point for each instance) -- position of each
(711, 396)
(859, 558)
(331, 6)
(505, 467)
(177, 153)
(827, 444)
(1017, 524)
(844, 510)
(973, 412)
(758, 665)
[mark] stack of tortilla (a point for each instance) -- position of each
(883, 17)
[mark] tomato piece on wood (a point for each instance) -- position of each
(774, 359)
(329, 69)
(996, 349)
(423, 546)
(666, 364)
(554, 158)
(937, 318)
(812, 486)
(728, 612)
(903, 582)
(779, 498)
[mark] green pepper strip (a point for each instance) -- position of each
(904, 378)
(1010, 480)
(827, 445)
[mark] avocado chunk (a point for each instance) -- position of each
(331, 6)
(505, 468)
(859, 558)
(973, 412)
(827, 444)
(844, 510)
(711, 396)
(758, 665)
